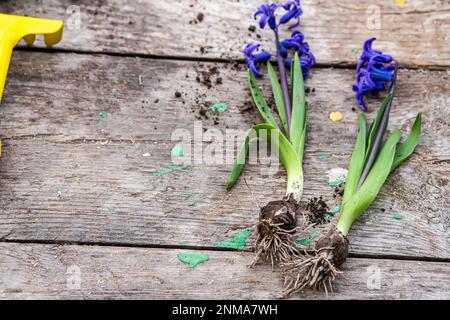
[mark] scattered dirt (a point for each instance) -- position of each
(252, 28)
(177, 94)
(200, 17)
(246, 107)
(317, 210)
(339, 191)
(208, 76)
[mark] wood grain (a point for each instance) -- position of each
(417, 34)
(32, 271)
(69, 174)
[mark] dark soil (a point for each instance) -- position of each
(339, 191)
(208, 76)
(199, 18)
(317, 210)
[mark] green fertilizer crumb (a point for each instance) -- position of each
(356, 50)
(183, 243)
(336, 182)
(237, 242)
(397, 216)
(177, 151)
(166, 171)
(193, 259)
(219, 107)
(332, 212)
(324, 156)
(304, 242)
(335, 209)
(103, 116)
(314, 234)
(110, 208)
(192, 198)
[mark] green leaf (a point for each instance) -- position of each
(243, 153)
(369, 190)
(405, 149)
(287, 156)
(301, 149)
(298, 121)
(278, 95)
(259, 100)
(357, 161)
(375, 124)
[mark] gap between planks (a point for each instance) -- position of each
(181, 58)
(208, 248)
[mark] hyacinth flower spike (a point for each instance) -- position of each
(372, 160)
(13, 28)
(277, 219)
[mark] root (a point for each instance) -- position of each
(273, 244)
(318, 270)
(309, 271)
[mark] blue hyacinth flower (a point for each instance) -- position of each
(254, 59)
(266, 14)
(297, 44)
(294, 11)
(374, 71)
(369, 54)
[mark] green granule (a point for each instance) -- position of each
(397, 216)
(177, 151)
(219, 107)
(193, 259)
(324, 156)
(237, 242)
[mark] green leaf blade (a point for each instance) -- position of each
(298, 121)
(278, 95)
(287, 155)
(357, 160)
(375, 124)
(369, 190)
(260, 101)
(405, 149)
(243, 153)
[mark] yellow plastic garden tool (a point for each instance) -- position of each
(14, 28)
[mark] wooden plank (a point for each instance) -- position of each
(84, 272)
(68, 174)
(417, 34)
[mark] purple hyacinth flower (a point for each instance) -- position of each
(369, 54)
(294, 11)
(266, 12)
(254, 59)
(365, 84)
(297, 44)
(374, 70)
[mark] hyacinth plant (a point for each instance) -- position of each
(373, 159)
(277, 219)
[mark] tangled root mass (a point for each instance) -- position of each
(277, 223)
(317, 270)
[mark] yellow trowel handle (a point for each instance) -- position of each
(14, 28)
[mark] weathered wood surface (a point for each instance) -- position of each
(85, 272)
(56, 142)
(416, 34)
